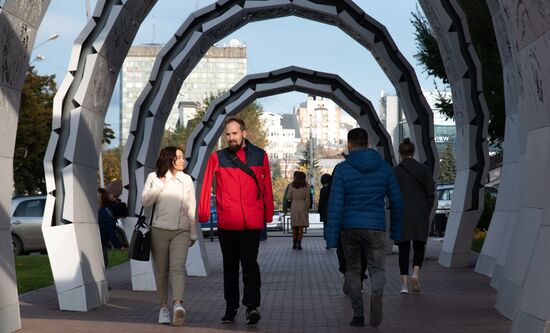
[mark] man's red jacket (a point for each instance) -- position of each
(238, 204)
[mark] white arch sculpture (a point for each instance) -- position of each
(19, 22)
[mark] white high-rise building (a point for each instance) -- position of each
(319, 118)
(217, 71)
(283, 142)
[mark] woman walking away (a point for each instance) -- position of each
(298, 195)
(174, 228)
(418, 191)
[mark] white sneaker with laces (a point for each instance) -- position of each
(164, 315)
(179, 315)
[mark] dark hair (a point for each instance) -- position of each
(299, 179)
(325, 179)
(358, 138)
(406, 148)
(104, 200)
(166, 158)
(236, 120)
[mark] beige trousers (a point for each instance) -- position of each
(169, 249)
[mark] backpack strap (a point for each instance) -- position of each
(241, 165)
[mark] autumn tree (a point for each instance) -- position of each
(33, 132)
(251, 115)
(111, 165)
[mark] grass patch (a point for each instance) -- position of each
(34, 272)
(477, 244)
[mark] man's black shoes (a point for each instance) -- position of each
(252, 316)
(230, 314)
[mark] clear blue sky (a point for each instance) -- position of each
(271, 45)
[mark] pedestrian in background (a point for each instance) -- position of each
(418, 191)
(322, 206)
(171, 192)
(299, 197)
(107, 224)
(357, 214)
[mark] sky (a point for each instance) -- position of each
(271, 45)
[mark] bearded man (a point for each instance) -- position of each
(244, 203)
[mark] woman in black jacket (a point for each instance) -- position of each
(418, 192)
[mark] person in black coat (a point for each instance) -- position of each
(418, 192)
(322, 207)
(107, 223)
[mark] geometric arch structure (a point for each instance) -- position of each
(495, 249)
(251, 87)
(463, 69)
(523, 289)
(293, 78)
(71, 161)
(206, 26)
(19, 22)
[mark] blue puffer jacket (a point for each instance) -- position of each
(357, 195)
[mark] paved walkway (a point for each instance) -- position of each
(301, 292)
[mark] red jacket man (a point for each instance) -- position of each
(243, 205)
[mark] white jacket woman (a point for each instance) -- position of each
(174, 228)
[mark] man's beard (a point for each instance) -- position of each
(234, 146)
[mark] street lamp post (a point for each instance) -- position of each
(52, 37)
(311, 170)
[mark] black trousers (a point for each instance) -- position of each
(241, 246)
(419, 249)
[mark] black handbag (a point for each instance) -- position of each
(140, 245)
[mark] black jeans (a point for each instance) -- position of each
(419, 248)
(342, 261)
(241, 246)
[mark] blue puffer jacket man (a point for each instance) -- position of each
(357, 197)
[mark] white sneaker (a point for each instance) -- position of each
(164, 315)
(404, 290)
(179, 315)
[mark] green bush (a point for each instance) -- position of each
(488, 209)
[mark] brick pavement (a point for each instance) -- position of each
(301, 292)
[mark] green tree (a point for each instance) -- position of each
(108, 134)
(447, 167)
(33, 132)
(306, 160)
(484, 41)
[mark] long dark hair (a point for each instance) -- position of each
(299, 179)
(165, 161)
(104, 200)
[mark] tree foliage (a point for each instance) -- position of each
(111, 165)
(108, 134)
(33, 132)
(256, 132)
(484, 41)
(447, 167)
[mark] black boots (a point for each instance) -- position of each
(300, 244)
(294, 244)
